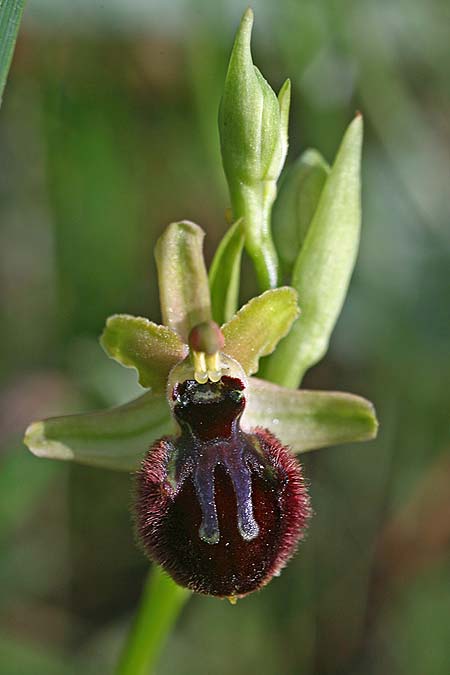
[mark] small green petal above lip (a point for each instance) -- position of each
(259, 325)
(138, 343)
(112, 439)
(182, 277)
(307, 420)
(224, 273)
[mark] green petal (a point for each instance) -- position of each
(224, 274)
(324, 266)
(139, 343)
(182, 277)
(307, 420)
(112, 439)
(296, 204)
(259, 325)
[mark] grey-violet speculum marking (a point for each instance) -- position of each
(209, 416)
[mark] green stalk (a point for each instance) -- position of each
(254, 205)
(161, 602)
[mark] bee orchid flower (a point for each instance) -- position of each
(220, 499)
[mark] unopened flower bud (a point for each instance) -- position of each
(253, 125)
(253, 130)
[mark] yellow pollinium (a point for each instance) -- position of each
(206, 367)
(206, 342)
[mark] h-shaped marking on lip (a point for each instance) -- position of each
(242, 483)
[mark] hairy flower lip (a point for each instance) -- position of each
(220, 509)
(167, 522)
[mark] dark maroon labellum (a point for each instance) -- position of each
(220, 509)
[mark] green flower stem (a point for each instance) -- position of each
(162, 601)
(254, 203)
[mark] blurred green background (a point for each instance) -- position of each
(107, 133)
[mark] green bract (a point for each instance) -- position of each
(224, 274)
(296, 204)
(118, 438)
(324, 264)
(253, 133)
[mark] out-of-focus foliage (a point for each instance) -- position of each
(108, 132)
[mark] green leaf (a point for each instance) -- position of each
(138, 343)
(296, 204)
(253, 136)
(259, 325)
(224, 274)
(113, 439)
(324, 266)
(307, 420)
(182, 277)
(10, 17)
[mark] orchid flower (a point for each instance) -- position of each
(221, 502)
